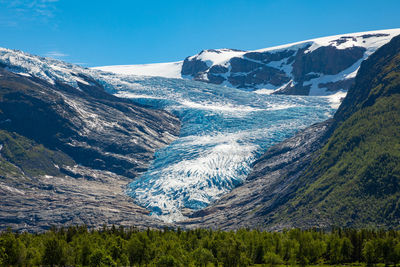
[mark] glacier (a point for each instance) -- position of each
(224, 130)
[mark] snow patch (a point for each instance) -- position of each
(336, 99)
(217, 56)
(264, 91)
(11, 189)
(167, 70)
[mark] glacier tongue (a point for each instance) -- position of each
(224, 130)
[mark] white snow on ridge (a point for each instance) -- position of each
(336, 99)
(166, 70)
(48, 69)
(326, 41)
(218, 56)
(371, 40)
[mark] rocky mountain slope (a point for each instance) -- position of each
(67, 151)
(320, 66)
(344, 172)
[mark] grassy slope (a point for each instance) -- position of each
(355, 180)
(22, 155)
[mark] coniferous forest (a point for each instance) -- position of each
(111, 246)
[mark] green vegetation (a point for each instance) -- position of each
(78, 246)
(354, 180)
(20, 154)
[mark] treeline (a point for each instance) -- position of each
(79, 246)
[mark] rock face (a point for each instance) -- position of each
(86, 196)
(316, 67)
(344, 172)
(71, 150)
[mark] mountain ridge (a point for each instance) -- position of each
(320, 66)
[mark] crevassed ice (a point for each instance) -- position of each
(224, 130)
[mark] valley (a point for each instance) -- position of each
(180, 150)
(199, 133)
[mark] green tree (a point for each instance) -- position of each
(334, 249)
(2, 256)
(290, 250)
(272, 259)
(369, 253)
(85, 252)
(396, 254)
(259, 254)
(168, 261)
(202, 257)
(346, 250)
(33, 256)
(53, 252)
(14, 251)
(136, 251)
(99, 258)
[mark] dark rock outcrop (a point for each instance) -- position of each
(193, 67)
(326, 60)
(252, 70)
(267, 57)
(335, 86)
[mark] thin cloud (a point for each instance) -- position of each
(80, 63)
(4, 21)
(24, 10)
(56, 54)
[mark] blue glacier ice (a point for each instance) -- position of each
(224, 130)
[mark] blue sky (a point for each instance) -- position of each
(95, 33)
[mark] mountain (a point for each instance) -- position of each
(343, 172)
(321, 66)
(87, 146)
(223, 130)
(68, 149)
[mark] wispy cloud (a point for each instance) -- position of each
(23, 10)
(55, 54)
(81, 64)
